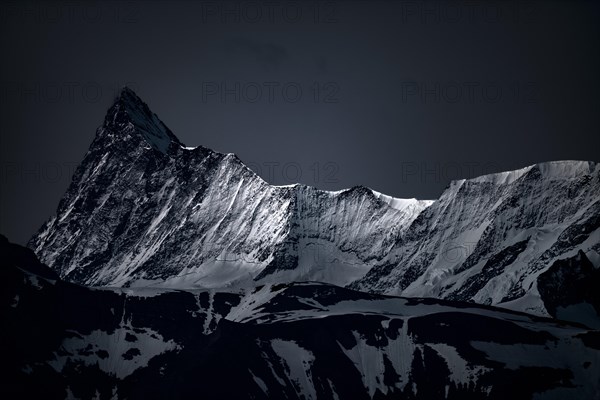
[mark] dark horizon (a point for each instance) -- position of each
(402, 97)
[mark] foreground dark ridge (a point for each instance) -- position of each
(303, 340)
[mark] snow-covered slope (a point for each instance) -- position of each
(145, 210)
(282, 341)
(488, 239)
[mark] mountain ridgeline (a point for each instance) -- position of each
(177, 272)
(144, 210)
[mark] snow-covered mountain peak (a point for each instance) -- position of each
(144, 210)
(131, 115)
(567, 169)
(488, 239)
(552, 170)
(500, 178)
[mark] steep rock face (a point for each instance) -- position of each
(145, 210)
(295, 341)
(569, 290)
(488, 239)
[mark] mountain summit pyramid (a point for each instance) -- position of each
(130, 114)
(153, 212)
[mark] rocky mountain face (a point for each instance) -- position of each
(145, 210)
(295, 341)
(491, 239)
(174, 272)
(569, 290)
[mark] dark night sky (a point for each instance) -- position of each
(400, 96)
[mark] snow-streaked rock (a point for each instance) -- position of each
(488, 239)
(144, 210)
